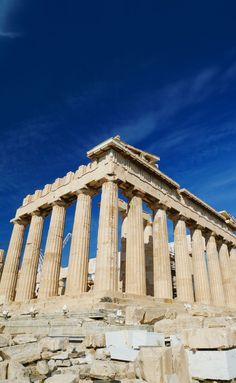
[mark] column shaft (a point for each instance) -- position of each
(184, 283)
(77, 277)
(215, 278)
(10, 271)
(27, 277)
(227, 276)
(135, 254)
(1, 261)
(148, 245)
(52, 257)
(106, 277)
(233, 263)
(161, 256)
(201, 281)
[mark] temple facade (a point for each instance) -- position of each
(117, 168)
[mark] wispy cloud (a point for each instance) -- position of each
(7, 7)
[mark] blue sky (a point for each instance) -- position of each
(161, 74)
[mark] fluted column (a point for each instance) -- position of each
(77, 277)
(10, 271)
(52, 257)
(233, 263)
(27, 277)
(106, 277)
(184, 283)
(201, 281)
(124, 228)
(227, 276)
(161, 256)
(148, 245)
(1, 262)
(135, 254)
(215, 278)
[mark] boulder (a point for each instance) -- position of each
(24, 353)
(42, 367)
(102, 370)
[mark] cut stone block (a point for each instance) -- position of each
(215, 365)
(209, 338)
(123, 353)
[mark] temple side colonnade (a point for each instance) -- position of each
(117, 167)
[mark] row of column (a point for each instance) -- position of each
(212, 280)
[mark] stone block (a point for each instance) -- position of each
(134, 315)
(62, 378)
(53, 344)
(102, 370)
(24, 353)
(4, 341)
(17, 371)
(3, 370)
(42, 367)
(24, 338)
(123, 353)
(209, 338)
(133, 339)
(95, 341)
(212, 365)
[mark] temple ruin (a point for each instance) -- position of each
(118, 167)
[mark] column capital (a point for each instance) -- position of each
(60, 202)
(134, 192)
(39, 213)
(86, 190)
(20, 221)
(158, 205)
(179, 217)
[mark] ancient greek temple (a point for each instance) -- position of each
(117, 168)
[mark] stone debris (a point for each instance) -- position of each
(134, 353)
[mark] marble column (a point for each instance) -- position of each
(161, 256)
(77, 277)
(52, 257)
(11, 267)
(233, 263)
(184, 282)
(1, 262)
(200, 274)
(227, 276)
(215, 278)
(148, 245)
(124, 228)
(135, 253)
(106, 274)
(25, 289)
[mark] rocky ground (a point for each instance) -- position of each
(34, 353)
